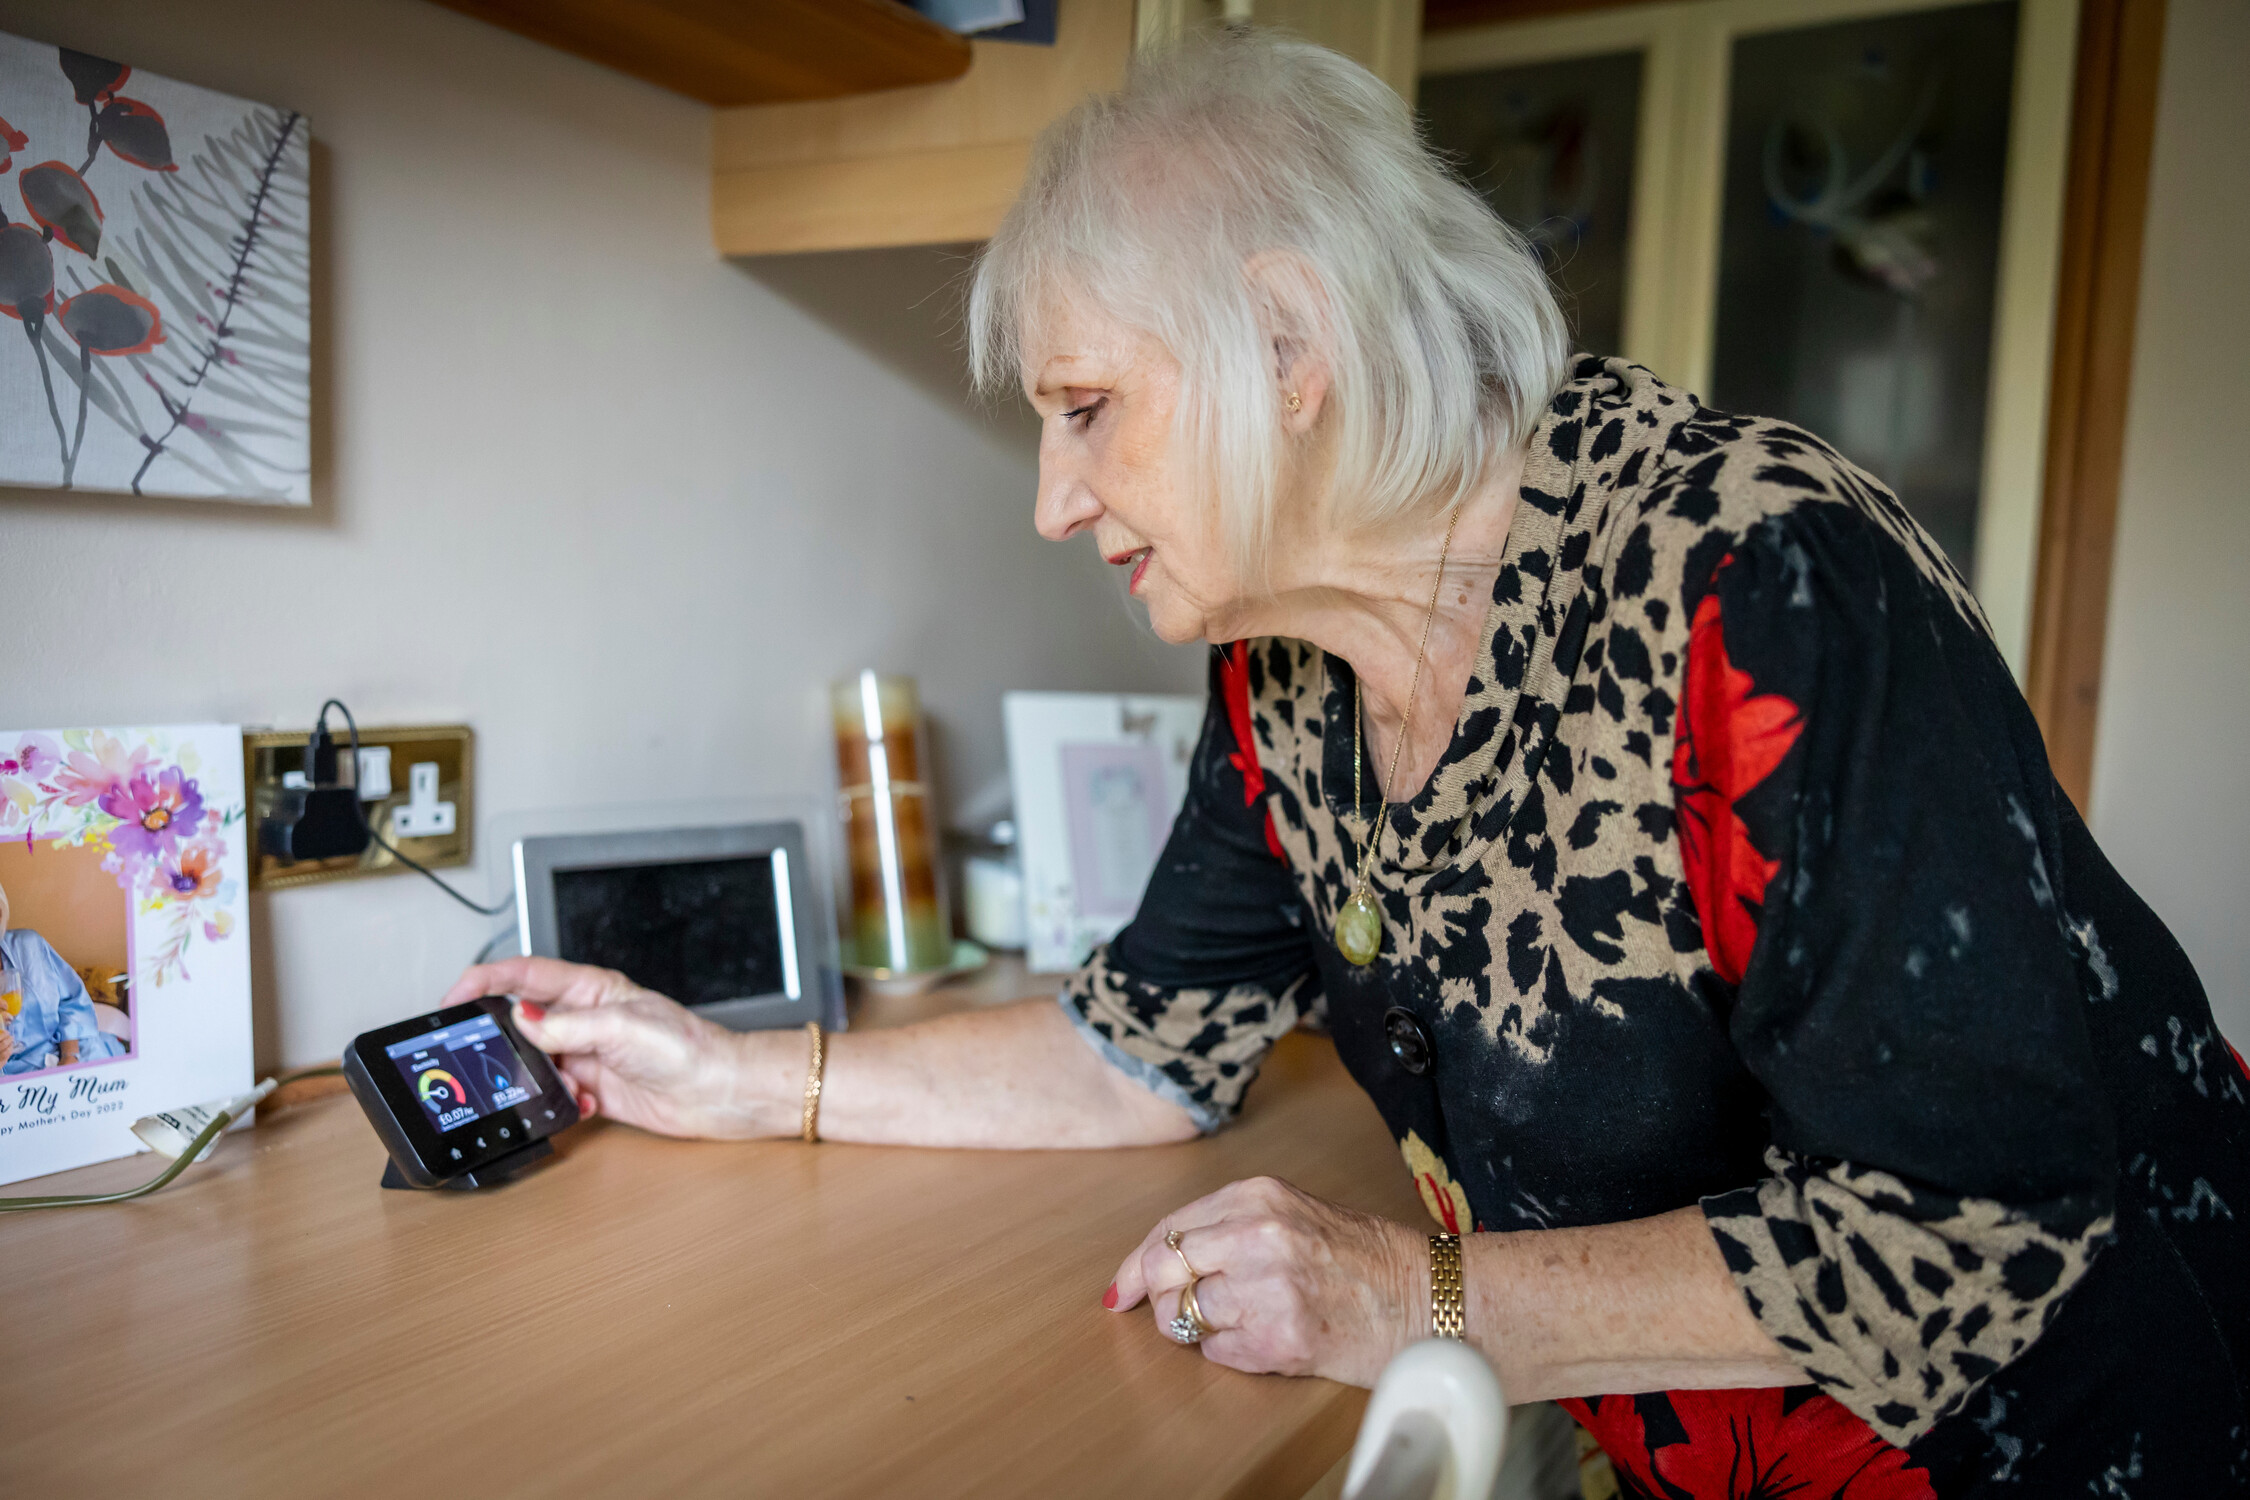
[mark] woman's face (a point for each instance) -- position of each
(1106, 394)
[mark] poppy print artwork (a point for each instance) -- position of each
(155, 283)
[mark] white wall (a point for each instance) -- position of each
(618, 504)
(2172, 760)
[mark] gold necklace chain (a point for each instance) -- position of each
(1359, 927)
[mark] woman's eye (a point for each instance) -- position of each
(1084, 415)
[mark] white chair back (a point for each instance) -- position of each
(1434, 1428)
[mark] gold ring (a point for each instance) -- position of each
(1193, 1308)
(1188, 1327)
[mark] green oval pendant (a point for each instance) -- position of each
(1359, 929)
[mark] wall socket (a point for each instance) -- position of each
(424, 816)
(416, 783)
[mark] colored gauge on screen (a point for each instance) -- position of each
(439, 1089)
(457, 1096)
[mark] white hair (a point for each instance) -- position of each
(1241, 148)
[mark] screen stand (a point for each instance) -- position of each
(491, 1174)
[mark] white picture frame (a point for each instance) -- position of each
(1097, 779)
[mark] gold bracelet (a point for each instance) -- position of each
(813, 1078)
(1447, 1306)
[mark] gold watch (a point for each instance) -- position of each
(1447, 1305)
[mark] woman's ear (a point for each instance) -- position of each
(1295, 315)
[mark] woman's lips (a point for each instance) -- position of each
(1138, 557)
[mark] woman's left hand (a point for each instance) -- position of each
(1292, 1285)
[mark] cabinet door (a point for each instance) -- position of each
(1551, 145)
(1859, 244)
(1844, 213)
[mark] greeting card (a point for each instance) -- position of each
(124, 936)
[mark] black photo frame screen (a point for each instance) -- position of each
(701, 931)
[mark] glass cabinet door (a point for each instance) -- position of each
(1860, 244)
(1843, 213)
(1551, 147)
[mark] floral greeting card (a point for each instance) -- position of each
(124, 936)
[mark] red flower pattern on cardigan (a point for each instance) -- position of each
(1730, 739)
(1234, 673)
(1751, 1445)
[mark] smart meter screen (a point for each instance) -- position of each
(463, 1072)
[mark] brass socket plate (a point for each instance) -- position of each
(268, 753)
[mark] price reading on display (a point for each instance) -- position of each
(464, 1072)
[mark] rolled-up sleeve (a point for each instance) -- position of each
(1861, 834)
(1216, 965)
(75, 1009)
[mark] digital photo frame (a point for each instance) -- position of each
(727, 920)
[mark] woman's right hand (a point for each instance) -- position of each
(629, 1052)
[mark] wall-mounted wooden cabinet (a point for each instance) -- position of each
(942, 162)
(908, 166)
(850, 124)
(729, 52)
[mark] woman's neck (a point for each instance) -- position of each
(1366, 597)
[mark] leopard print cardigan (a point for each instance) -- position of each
(1742, 882)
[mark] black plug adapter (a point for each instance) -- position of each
(320, 821)
(313, 822)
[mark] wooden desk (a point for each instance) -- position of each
(653, 1317)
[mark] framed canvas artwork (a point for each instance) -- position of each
(155, 283)
(124, 941)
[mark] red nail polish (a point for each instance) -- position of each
(531, 1010)
(1109, 1298)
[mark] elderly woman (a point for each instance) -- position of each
(1635, 793)
(46, 1016)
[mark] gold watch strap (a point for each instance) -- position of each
(1447, 1305)
(813, 1078)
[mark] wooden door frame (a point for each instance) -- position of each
(2112, 130)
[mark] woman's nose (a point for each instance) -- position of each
(1065, 507)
